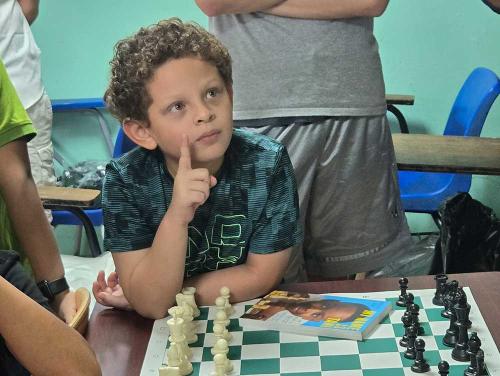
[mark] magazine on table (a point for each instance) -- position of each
(315, 314)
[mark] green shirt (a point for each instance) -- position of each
(14, 124)
(253, 207)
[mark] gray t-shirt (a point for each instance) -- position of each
(286, 67)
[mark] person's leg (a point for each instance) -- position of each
(303, 143)
(355, 220)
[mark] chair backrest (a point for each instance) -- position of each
(123, 144)
(472, 104)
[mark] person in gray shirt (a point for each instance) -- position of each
(308, 73)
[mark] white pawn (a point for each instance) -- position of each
(220, 304)
(226, 293)
(221, 332)
(189, 327)
(220, 361)
(221, 347)
(177, 359)
(188, 293)
(169, 371)
(221, 318)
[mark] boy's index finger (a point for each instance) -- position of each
(185, 157)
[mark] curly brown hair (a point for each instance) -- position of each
(136, 59)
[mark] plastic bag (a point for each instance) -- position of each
(469, 239)
(86, 174)
(416, 261)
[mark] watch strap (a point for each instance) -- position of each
(51, 289)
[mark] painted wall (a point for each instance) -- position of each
(427, 49)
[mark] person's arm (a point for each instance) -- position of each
(217, 7)
(151, 277)
(256, 277)
(328, 9)
(493, 4)
(41, 342)
(30, 9)
(30, 223)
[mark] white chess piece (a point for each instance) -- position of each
(220, 304)
(221, 347)
(226, 294)
(221, 318)
(220, 362)
(188, 293)
(189, 326)
(221, 332)
(176, 326)
(176, 359)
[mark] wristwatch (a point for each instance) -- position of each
(51, 289)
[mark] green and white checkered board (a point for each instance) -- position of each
(275, 353)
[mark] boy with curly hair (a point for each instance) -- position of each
(198, 203)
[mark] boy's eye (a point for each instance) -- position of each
(176, 107)
(211, 93)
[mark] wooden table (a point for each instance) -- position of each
(472, 155)
(120, 338)
(398, 99)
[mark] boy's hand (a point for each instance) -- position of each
(191, 187)
(110, 293)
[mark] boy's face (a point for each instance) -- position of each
(320, 313)
(190, 97)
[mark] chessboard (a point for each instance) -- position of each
(273, 353)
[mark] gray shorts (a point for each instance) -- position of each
(348, 194)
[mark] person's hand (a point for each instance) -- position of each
(64, 305)
(191, 186)
(109, 293)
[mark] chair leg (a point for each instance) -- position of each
(95, 249)
(403, 126)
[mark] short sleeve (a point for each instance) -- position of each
(279, 225)
(125, 226)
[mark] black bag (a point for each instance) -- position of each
(469, 240)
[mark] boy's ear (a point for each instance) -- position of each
(139, 133)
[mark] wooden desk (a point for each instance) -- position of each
(74, 200)
(400, 99)
(120, 338)
(472, 155)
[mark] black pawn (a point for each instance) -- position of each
(481, 369)
(403, 286)
(409, 301)
(411, 352)
(420, 365)
(440, 288)
(474, 346)
(414, 312)
(406, 319)
(451, 337)
(443, 368)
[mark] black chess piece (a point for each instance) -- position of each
(473, 347)
(451, 336)
(449, 298)
(443, 368)
(439, 294)
(460, 350)
(462, 301)
(403, 286)
(411, 352)
(481, 369)
(406, 319)
(420, 365)
(414, 312)
(410, 298)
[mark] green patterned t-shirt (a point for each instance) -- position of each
(253, 207)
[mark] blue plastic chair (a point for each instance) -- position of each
(424, 192)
